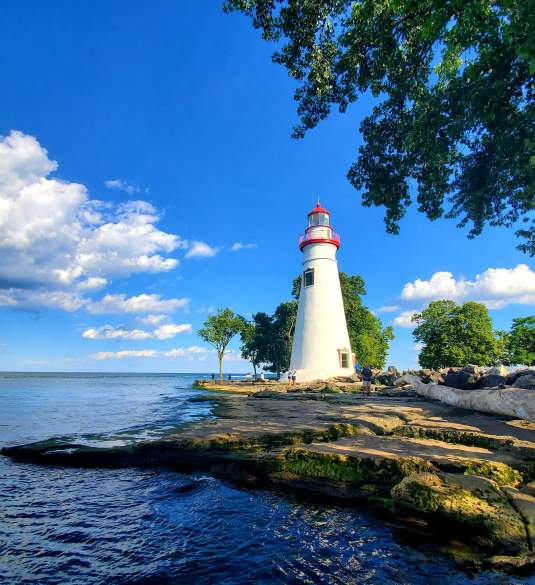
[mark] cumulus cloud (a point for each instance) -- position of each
(201, 250)
(92, 283)
(150, 353)
(167, 331)
(144, 303)
(16, 298)
(57, 244)
(496, 287)
(109, 332)
(170, 330)
(237, 246)
(122, 186)
(404, 319)
(153, 320)
(183, 351)
(126, 353)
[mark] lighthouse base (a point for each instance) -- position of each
(318, 374)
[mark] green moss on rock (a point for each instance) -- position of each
(501, 473)
(379, 474)
(469, 506)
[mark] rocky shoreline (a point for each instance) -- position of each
(465, 479)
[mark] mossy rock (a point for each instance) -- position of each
(473, 508)
(372, 475)
(501, 473)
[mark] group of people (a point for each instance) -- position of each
(292, 376)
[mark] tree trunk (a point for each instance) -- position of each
(220, 355)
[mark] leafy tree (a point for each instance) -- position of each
(250, 349)
(274, 336)
(455, 335)
(369, 340)
(454, 83)
(503, 354)
(285, 317)
(521, 342)
(218, 330)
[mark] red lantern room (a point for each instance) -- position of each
(319, 229)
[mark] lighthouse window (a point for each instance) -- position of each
(309, 277)
(344, 359)
(318, 219)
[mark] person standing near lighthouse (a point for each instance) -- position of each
(321, 347)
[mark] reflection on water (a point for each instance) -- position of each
(132, 526)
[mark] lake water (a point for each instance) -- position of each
(129, 526)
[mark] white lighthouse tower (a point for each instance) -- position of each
(321, 347)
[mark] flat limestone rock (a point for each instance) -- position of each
(438, 454)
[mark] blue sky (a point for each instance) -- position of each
(178, 106)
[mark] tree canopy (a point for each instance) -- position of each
(521, 341)
(454, 82)
(369, 340)
(456, 335)
(218, 330)
(273, 336)
(250, 349)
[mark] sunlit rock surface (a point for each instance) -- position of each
(460, 475)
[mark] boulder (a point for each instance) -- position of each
(492, 381)
(387, 378)
(471, 504)
(526, 381)
(428, 375)
(497, 370)
(513, 376)
(466, 378)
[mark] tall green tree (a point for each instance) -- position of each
(250, 348)
(274, 336)
(454, 82)
(455, 335)
(369, 340)
(218, 330)
(521, 341)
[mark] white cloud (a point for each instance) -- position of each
(122, 186)
(198, 349)
(127, 353)
(201, 250)
(404, 319)
(109, 332)
(93, 283)
(387, 309)
(57, 244)
(16, 298)
(237, 246)
(496, 287)
(144, 303)
(171, 330)
(154, 320)
(150, 353)
(167, 331)
(183, 351)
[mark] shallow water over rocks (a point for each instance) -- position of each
(136, 526)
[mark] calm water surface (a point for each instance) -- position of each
(158, 527)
